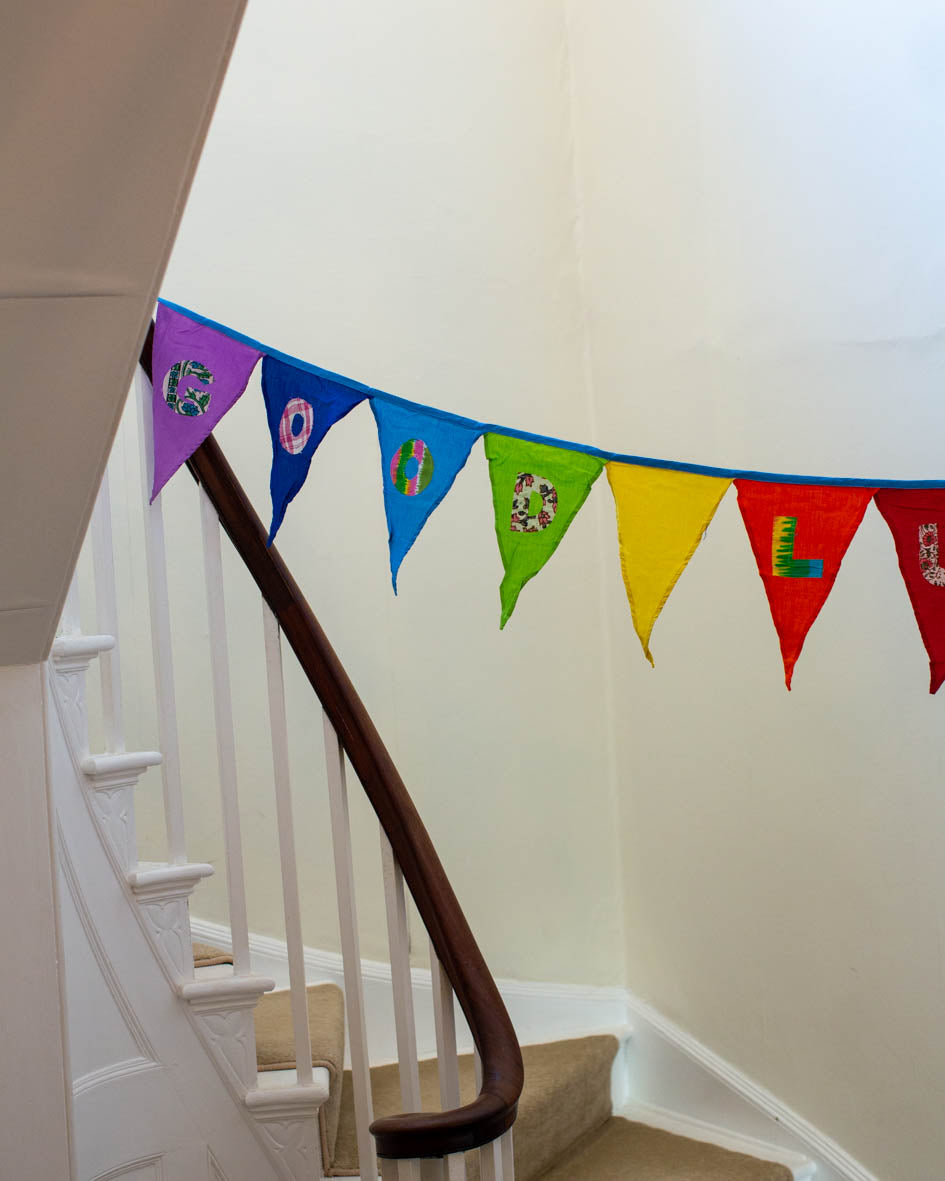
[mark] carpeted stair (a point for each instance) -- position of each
(208, 956)
(621, 1150)
(564, 1131)
(275, 1049)
(567, 1093)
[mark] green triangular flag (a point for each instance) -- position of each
(537, 491)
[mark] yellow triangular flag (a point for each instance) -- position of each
(661, 517)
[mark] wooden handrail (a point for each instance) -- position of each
(414, 1134)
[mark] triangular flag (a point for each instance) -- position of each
(301, 408)
(198, 373)
(916, 519)
(799, 534)
(537, 491)
(661, 517)
(422, 452)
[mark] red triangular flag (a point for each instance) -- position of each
(799, 534)
(916, 519)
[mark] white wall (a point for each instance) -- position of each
(762, 195)
(387, 191)
(753, 246)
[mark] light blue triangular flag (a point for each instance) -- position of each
(422, 451)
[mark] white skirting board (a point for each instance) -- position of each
(662, 1075)
(540, 1012)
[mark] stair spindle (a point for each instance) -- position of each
(506, 1151)
(287, 855)
(106, 606)
(70, 623)
(444, 1019)
(226, 739)
(490, 1162)
(398, 938)
(161, 634)
(350, 949)
(399, 942)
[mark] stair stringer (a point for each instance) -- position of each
(178, 1100)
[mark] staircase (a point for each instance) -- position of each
(186, 1063)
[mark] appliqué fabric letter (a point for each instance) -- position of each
(422, 452)
(662, 516)
(198, 375)
(191, 400)
(529, 538)
(295, 426)
(916, 514)
(782, 519)
(411, 469)
(783, 562)
(534, 504)
(928, 555)
(301, 408)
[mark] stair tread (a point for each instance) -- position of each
(275, 1047)
(208, 956)
(621, 1148)
(567, 1093)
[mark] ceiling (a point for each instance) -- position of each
(105, 107)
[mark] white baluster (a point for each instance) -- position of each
(161, 633)
(506, 1150)
(226, 740)
(490, 1162)
(70, 622)
(433, 1168)
(399, 942)
(106, 605)
(287, 856)
(444, 1019)
(350, 949)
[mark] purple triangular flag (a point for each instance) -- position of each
(198, 373)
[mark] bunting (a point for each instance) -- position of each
(537, 491)
(799, 534)
(799, 526)
(421, 455)
(301, 408)
(662, 516)
(198, 374)
(916, 519)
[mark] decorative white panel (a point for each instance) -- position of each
(105, 1036)
(71, 656)
(148, 1098)
(114, 810)
(150, 1169)
(71, 689)
(295, 1143)
(232, 1036)
(112, 779)
(169, 923)
(213, 1165)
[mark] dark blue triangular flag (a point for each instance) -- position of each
(421, 454)
(301, 407)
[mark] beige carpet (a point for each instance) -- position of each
(208, 956)
(625, 1151)
(275, 1049)
(567, 1095)
(564, 1130)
